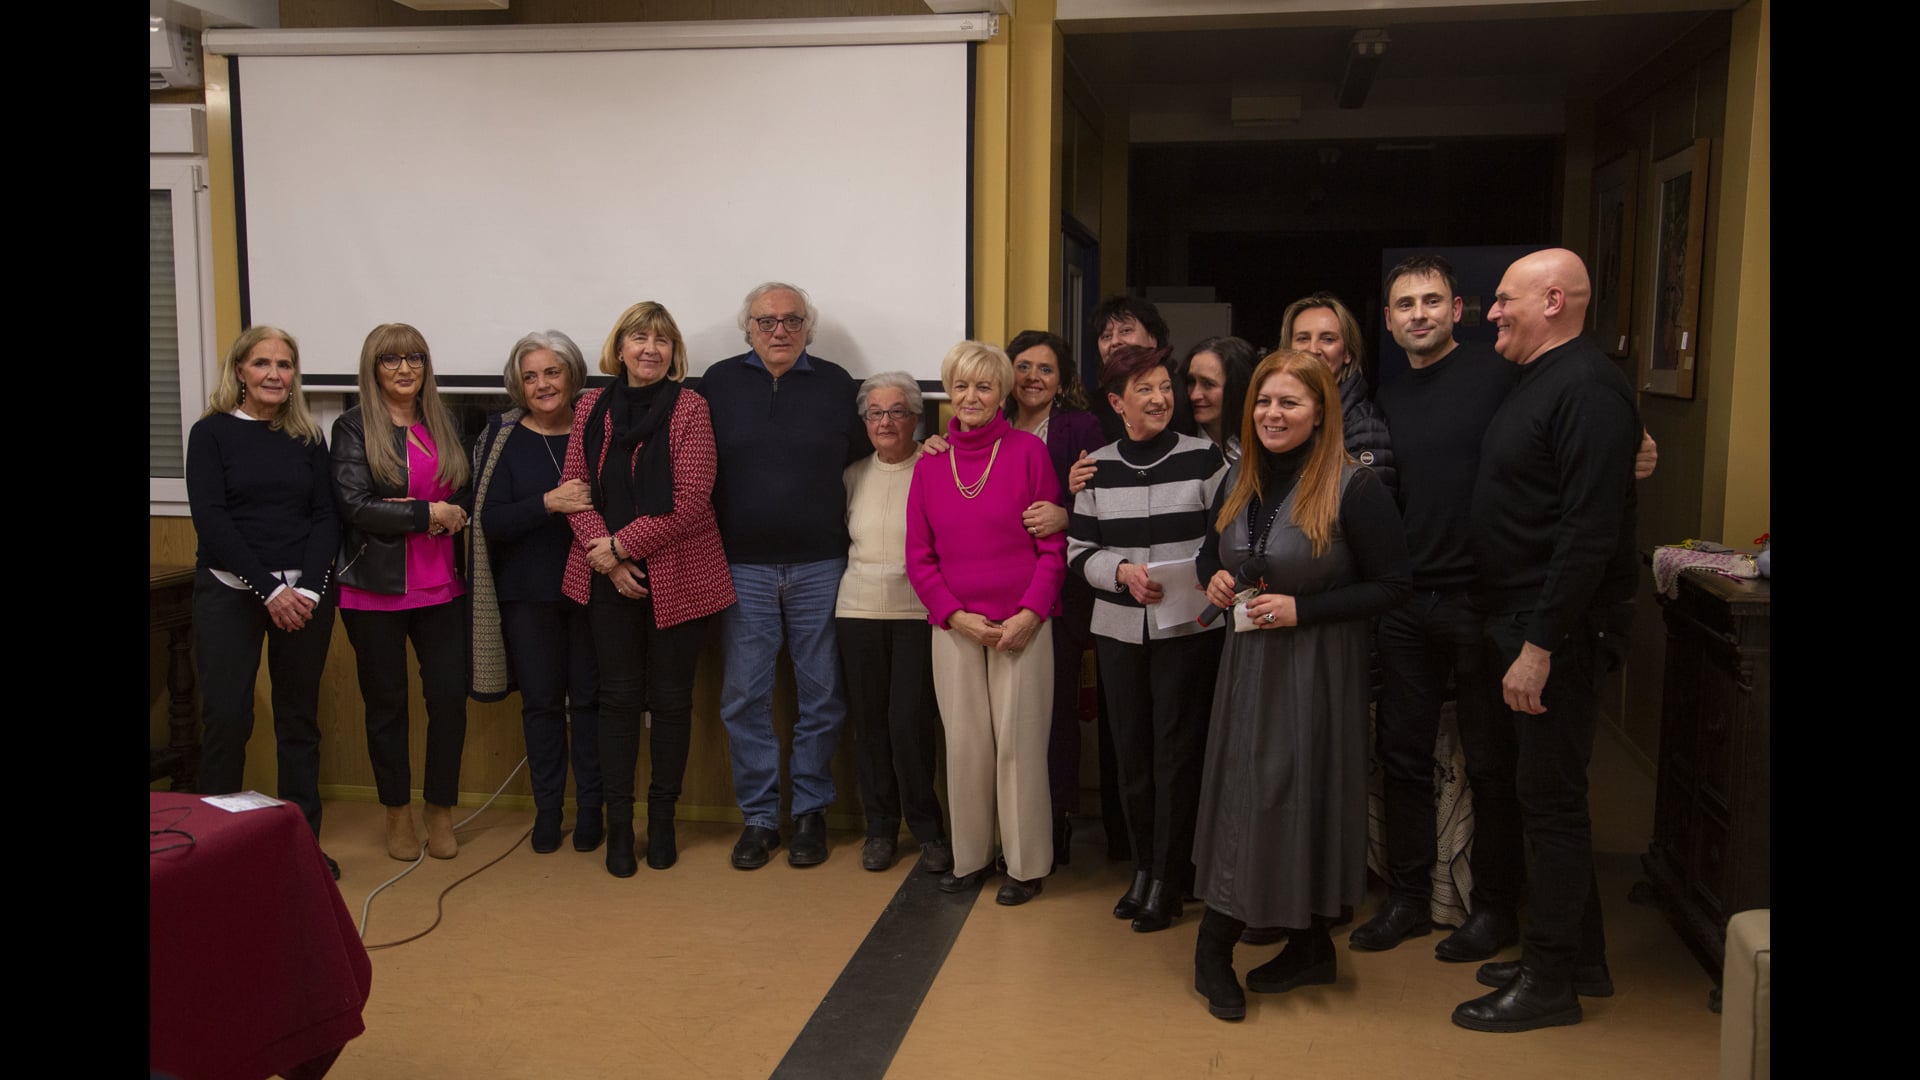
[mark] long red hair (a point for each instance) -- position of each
(1316, 499)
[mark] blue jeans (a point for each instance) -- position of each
(791, 603)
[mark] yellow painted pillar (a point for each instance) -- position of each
(1738, 467)
(1016, 193)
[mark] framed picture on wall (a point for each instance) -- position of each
(1680, 218)
(1610, 319)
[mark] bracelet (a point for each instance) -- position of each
(1118, 585)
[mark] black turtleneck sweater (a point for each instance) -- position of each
(1553, 507)
(1368, 523)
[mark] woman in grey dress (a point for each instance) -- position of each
(1282, 837)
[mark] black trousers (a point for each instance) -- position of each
(1071, 635)
(228, 626)
(550, 648)
(887, 668)
(1547, 757)
(1160, 696)
(1421, 643)
(643, 670)
(439, 636)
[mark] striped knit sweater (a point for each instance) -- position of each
(1155, 511)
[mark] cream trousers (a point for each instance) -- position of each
(998, 710)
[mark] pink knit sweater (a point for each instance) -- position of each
(974, 554)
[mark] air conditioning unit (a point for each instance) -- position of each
(176, 55)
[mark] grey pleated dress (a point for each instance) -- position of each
(1283, 798)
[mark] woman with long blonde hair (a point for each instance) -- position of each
(400, 479)
(257, 482)
(1304, 546)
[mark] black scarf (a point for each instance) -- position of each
(638, 413)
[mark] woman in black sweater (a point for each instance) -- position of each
(525, 631)
(262, 502)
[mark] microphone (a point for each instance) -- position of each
(1246, 586)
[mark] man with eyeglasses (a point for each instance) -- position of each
(785, 429)
(1552, 535)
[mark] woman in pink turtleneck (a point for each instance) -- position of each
(989, 586)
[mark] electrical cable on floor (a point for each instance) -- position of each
(440, 901)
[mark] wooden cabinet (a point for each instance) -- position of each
(1710, 853)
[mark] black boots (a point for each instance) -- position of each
(589, 828)
(546, 830)
(1062, 839)
(1135, 899)
(621, 861)
(1530, 1001)
(1213, 966)
(662, 849)
(1160, 909)
(1308, 960)
(1399, 918)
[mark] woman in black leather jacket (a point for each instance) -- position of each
(402, 495)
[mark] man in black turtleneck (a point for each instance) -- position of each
(1439, 411)
(1552, 537)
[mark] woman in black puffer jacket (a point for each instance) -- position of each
(1320, 324)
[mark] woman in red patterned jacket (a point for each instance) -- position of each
(648, 564)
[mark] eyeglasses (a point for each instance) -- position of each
(391, 360)
(766, 323)
(896, 414)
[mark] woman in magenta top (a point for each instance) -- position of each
(989, 584)
(402, 491)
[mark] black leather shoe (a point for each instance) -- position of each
(1526, 1003)
(332, 867)
(1308, 960)
(663, 848)
(589, 828)
(1481, 937)
(546, 830)
(953, 883)
(1135, 898)
(755, 847)
(1160, 910)
(936, 857)
(1016, 892)
(878, 853)
(1263, 935)
(809, 847)
(1398, 919)
(620, 858)
(1589, 980)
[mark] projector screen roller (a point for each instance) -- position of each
(480, 196)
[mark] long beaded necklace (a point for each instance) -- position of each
(973, 490)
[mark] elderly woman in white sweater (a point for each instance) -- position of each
(885, 639)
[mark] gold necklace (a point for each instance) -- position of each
(970, 491)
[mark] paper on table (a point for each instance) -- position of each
(1181, 598)
(245, 800)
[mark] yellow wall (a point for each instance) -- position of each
(1016, 202)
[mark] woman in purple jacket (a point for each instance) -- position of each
(1048, 400)
(990, 582)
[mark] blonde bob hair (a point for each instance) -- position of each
(644, 317)
(387, 464)
(1316, 497)
(976, 360)
(229, 391)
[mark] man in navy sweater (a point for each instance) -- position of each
(1553, 542)
(784, 428)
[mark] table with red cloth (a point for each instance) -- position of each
(254, 967)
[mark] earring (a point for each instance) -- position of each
(243, 390)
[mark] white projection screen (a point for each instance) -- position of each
(482, 195)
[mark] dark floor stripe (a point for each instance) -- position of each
(860, 1023)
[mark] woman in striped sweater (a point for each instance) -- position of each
(1148, 504)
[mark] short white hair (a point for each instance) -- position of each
(890, 380)
(762, 289)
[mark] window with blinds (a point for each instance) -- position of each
(166, 456)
